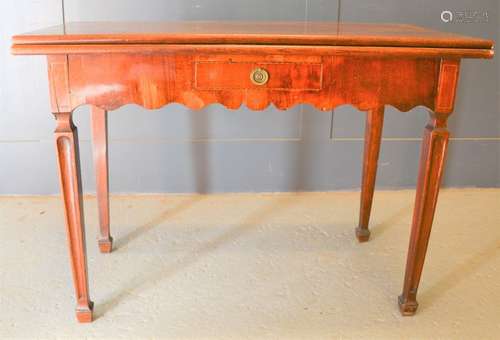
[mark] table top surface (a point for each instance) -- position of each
(249, 33)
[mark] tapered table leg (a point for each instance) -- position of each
(66, 138)
(373, 136)
(100, 151)
(433, 152)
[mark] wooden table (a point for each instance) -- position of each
(108, 65)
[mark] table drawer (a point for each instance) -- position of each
(287, 76)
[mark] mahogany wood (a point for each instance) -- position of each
(432, 157)
(109, 81)
(99, 119)
(240, 32)
(434, 146)
(66, 137)
(441, 52)
(108, 65)
(373, 136)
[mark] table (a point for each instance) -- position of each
(324, 64)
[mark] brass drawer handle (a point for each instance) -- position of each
(259, 76)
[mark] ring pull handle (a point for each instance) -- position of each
(259, 76)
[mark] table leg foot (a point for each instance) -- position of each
(105, 244)
(84, 313)
(407, 308)
(363, 234)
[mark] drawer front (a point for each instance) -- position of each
(285, 76)
(152, 81)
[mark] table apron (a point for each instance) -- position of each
(109, 81)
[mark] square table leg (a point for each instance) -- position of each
(99, 119)
(373, 136)
(66, 140)
(432, 158)
(433, 153)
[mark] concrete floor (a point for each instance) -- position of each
(253, 266)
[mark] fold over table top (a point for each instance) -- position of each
(247, 33)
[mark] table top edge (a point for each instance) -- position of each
(264, 33)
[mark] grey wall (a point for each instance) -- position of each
(216, 150)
